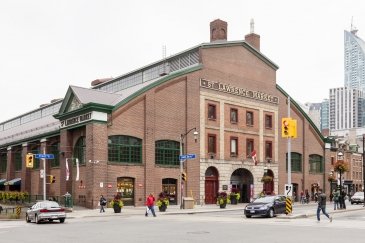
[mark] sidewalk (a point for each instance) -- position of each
(80, 212)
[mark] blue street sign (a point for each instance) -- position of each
(187, 156)
(44, 156)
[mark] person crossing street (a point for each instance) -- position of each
(322, 206)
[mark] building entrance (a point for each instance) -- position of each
(125, 185)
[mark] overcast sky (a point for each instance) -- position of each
(47, 45)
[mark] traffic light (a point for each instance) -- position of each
(288, 128)
(183, 176)
(29, 160)
(285, 126)
(52, 179)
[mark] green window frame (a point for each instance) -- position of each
(296, 162)
(18, 160)
(125, 149)
(55, 150)
(315, 163)
(80, 151)
(167, 152)
(36, 162)
(3, 161)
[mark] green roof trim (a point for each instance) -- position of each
(293, 102)
(157, 83)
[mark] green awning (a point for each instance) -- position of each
(13, 182)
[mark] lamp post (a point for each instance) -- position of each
(340, 157)
(331, 180)
(182, 137)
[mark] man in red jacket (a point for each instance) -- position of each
(150, 202)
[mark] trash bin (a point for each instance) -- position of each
(188, 202)
(68, 200)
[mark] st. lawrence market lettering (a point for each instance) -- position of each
(76, 120)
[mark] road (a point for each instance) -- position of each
(224, 226)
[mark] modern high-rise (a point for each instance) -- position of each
(325, 114)
(346, 108)
(354, 61)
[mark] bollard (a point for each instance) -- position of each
(288, 206)
(18, 210)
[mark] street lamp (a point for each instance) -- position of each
(331, 180)
(340, 157)
(182, 137)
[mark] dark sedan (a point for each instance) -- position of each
(267, 206)
(45, 211)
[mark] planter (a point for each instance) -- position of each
(162, 208)
(233, 200)
(116, 208)
(223, 205)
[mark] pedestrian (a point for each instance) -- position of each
(150, 203)
(336, 198)
(343, 196)
(102, 202)
(302, 197)
(307, 196)
(322, 205)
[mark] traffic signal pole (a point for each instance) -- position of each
(289, 147)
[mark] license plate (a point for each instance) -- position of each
(252, 211)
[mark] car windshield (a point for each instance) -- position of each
(264, 200)
(50, 205)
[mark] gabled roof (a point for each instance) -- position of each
(84, 96)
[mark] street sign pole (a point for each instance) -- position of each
(45, 176)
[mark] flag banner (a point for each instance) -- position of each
(77, 170)
(67, 171)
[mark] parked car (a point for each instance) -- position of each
(267, 206)
(45, 210)
(358, 197)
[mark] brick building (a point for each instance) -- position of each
(124, 134)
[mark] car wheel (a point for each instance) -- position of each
(352, 203)
(36, 219)
(248, 216)
(27, 219)
(50, 220)
(62, 220)
(271, 213)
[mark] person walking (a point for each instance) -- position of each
(343, 198)
(102, 202)
(150, 203)
(322, 206)
(336, 198)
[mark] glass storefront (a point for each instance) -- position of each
(169, 187)
(125, 186)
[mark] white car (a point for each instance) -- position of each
(358, 197)
(45, 211)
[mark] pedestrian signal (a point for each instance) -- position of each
(29, 160)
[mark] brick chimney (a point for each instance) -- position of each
(218, 30)
(252, 38)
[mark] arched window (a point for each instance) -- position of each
(124, 149)
(315, 163)
(80, 150)
(167, 152)
(296, 162)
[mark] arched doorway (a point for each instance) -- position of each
(242, 179)
(211, 185)
(268, 186)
